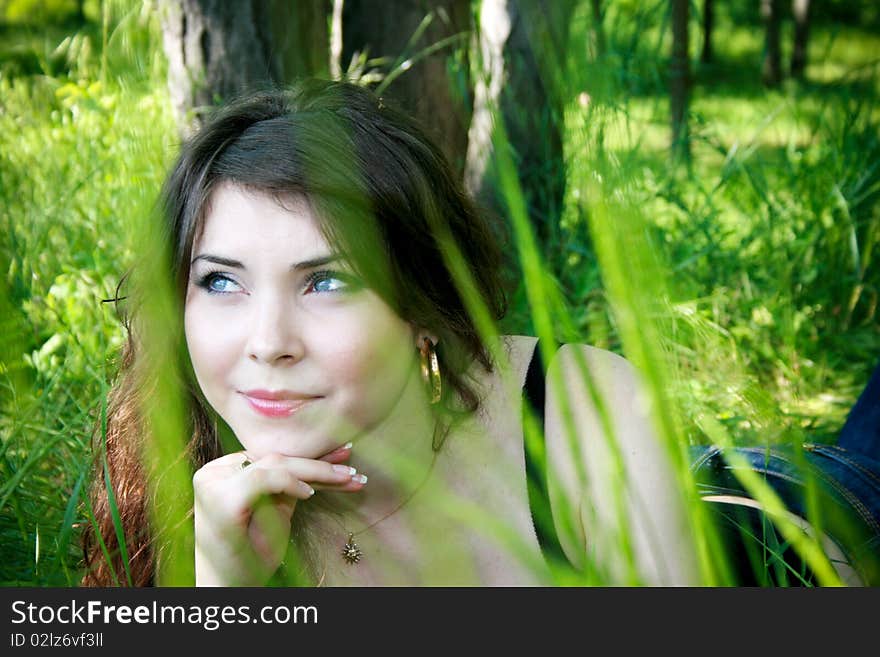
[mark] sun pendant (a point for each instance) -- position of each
(351, 552)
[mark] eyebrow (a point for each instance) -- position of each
(305, 264)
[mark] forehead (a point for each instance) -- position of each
(244, 219)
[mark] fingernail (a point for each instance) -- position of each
(311, 491)
(360, 479)
(345, 469)
(347, 445)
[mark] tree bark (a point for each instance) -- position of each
(425, 88)
(708, 24)
(218, 49)
(679, 80)
(771, 73)
(801, 11)
(523, 45)
(598, 26)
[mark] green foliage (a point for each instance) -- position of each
(82, 153)
(768, 237)
(38, 12)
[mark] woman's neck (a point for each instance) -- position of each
(396, 456)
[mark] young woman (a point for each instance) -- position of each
(315, 236)
(327, 268)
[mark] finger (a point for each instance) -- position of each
(222, 466)
(258, 482)
(309, 470)
(296, 477)
(356, 483)
(338, 455)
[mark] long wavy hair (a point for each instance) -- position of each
(378, 186)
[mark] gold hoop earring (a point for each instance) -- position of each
(431, 370)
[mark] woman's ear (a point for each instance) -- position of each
(422, 333)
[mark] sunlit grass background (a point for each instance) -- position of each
(768, 311)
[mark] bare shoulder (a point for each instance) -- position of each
(589, 391)
(599, 387)
(519, 350)
(598, 395)
(576, 361)
(500, 391)
(570, 366)
(516, 352)
(604, 456)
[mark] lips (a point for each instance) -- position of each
(276, 403)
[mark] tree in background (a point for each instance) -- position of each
(771, 71)
(523, 50)
(217, 49)
(801, 11)
(679, 80)
(415, 53)
(415, 41)
(708, 23)
(598, 28)
(771, 14)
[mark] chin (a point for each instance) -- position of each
(285, 443)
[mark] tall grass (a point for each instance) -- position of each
(83, 144)
(742, 288)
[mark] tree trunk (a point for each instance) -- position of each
(422, 86)
(524, 48)
(218, 49)
(679, 80)
(493, 32)
(771, 73)
(801, 11)
(598, 26)
(708, 24)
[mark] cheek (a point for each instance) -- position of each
(371, 367)
(211, 351)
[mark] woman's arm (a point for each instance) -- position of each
(617, 505)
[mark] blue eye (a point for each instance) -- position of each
(217, 283)
(330, 281)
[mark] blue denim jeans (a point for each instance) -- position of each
(835, 488)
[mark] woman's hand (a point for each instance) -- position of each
(243, 511)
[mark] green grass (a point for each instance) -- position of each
(768, 236)
(764, 313)
(80, 163)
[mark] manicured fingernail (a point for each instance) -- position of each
(360, 479)
(311, 491)
(345, 469)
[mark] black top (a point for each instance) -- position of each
(534, 395)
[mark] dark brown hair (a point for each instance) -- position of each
(378, 186)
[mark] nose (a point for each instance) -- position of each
(274, 337)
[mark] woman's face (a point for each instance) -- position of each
(287, 345)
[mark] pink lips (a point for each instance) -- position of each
(276, 403)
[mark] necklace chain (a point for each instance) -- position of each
(351, 551)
